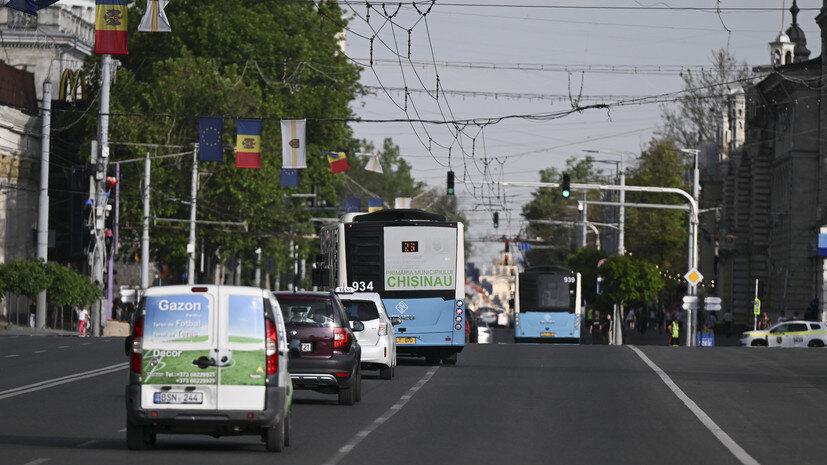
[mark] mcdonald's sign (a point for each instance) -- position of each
(72, 85)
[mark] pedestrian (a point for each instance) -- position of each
(83, 315)
(594, 328)
(795, 316)
(630, 319)
(32, 313)
(764, 322)
(674, 332)
(781, 318)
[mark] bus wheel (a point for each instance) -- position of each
(450, 360)
(432, 359)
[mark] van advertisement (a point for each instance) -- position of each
(420, 258)
(174, 324)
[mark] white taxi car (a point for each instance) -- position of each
(377, 339)
(788, 334)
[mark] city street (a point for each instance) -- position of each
(62, 401)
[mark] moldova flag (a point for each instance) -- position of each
(338, 161)
(248, 144)
(110, 27)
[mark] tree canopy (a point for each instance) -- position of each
(629, 280)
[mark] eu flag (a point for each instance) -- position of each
(289, 177)
(29, 6)
(210, 140)
(353, 205)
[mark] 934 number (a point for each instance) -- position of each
(362, 286)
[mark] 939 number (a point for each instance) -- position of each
(568, 279)
(362, 286)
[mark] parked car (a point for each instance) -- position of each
(470, 326)
(488, 315)
(796, 333)
(484, 333)
(503, 319)
(329, 355)
(208, 359)
(377, 340)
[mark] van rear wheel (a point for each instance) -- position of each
(136, 436)
(274, 437)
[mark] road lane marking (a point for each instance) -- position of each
(725, 439)
(88, 443)
(344, 450)
(37, 461)
(12, 356)
(62, 347)
(62, 380)
(38, 351)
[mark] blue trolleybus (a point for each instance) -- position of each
(547, 305)
(415, 260)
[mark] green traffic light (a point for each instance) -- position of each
(566, 194)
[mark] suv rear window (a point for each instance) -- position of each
(361, 310)
(307, 311)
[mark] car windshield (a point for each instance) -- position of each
(306, 311)
(361, 310)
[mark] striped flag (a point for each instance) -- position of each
(338, 161)
(155, 20)
(402, 202)
(373, 162)
(248, 144)
(110, 27)
(293, 143)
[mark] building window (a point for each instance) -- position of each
(20, 20)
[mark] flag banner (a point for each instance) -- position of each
(289, 177)
(353, 205)
(155, 20)
(373, 162)
(402, 202)
(210, 140)
(293, 143)
(375, 204)
(338, 161)
(248, 144)
(28, 6)
(110, 27)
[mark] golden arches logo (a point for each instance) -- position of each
(72, 85)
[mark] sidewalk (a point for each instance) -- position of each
(10, 329)
(653, 338)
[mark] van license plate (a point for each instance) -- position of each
(179, 398)
(307, 347)
(406, 340)
(547, 334)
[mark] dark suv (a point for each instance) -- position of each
(329, 355)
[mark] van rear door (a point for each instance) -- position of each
(240, 351)
(178, 344)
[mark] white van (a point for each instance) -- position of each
(208, 359)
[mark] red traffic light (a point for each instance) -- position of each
(111, 181)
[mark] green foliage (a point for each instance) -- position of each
(584, 261)
(658, 235)
(549, 204)
(395, 180)
(24, 277)
(265, 59)
(628, 280)
(69, 287)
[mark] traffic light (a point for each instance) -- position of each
(565, 186)
(496, 220)
(450, 183)
(506, 246)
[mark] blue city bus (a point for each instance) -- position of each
(415, 261)
(547, 305)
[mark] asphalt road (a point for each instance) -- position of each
(61, 401)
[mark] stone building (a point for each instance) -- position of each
(775, 182)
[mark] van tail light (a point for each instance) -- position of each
(271, 347)
(340, 338)
(383, 329)
(136, 357)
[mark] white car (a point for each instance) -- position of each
(377, 339)
(503, 319)
(484, 333)
(788, 334)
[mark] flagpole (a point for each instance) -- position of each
(193, 200)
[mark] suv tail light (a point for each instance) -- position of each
(383, 329)
(271, 347)
(136, 357)
(340, 338)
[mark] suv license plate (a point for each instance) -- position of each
(307, 347)
(178, 398)
(406, 340)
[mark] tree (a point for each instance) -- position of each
(394, 181)
(284, 64)
(697, 115)
(585, 261)
(657, 235)
(68, 287)
(24, 277)
(549, 204)
(629, 280)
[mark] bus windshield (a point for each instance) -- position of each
(546, 292)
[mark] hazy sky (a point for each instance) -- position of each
(463, 41)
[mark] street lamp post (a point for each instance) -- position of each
(693, 232)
